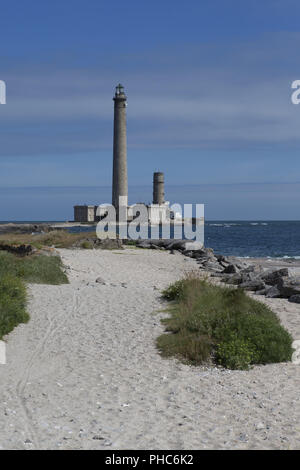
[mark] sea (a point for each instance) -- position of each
(248, 238)
(274, 239)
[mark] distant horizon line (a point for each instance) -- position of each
(206, 220)
(149, 184)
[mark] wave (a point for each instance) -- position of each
(233, 224)
(224, 225)
(258, 223)
(269, 257)
(280, 257)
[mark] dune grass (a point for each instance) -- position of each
(56, 238)
(223, 325)
(35, 269)
(14, 272)
(12, 304)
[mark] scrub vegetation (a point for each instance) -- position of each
(14, 273)
(221, 325)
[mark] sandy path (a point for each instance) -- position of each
(85, 374)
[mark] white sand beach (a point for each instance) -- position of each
(84, 373)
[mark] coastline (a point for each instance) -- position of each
(84, 373)
(270, 239)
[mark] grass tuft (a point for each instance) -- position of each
(14, 271)
(56, 238)
(35, 269)
(86, 245)
(221, 324)
(12, 304)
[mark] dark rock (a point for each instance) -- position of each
(194, 254)
(231, 269)
(224, 264)
(272, 292)
(188, 253)
(205, 253)
(252, 285)
(245, 277)
(222, 258)
(155, 247)
(242, 277)
(210, 265)
(241, 266)
(211, 259)
(161, 243)
(249, 269)
(260, 292)
(233, 278)
(288, 286)
(219, 274)
(249, 276)
(201, 261)
(272, 277)
(205, 259)
(106, 243)
(143, 244)
(21, 250)
(174, 244)
(295, 298)
(169, 244)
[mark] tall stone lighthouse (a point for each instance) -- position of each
(119, 183)
(158, 212)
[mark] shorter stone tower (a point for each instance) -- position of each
(158, 188)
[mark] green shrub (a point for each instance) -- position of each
(86, 245)
(129, 242)
(13, 272)
(174, 291)
(190, 348)
(223, 324)
(235, 353)
(12, 304)
(58, 238)
(35, 269)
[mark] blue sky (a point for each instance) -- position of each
(208, 85)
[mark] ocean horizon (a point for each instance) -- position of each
(244, 238)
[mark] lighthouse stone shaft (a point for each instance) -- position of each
(120, 185)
